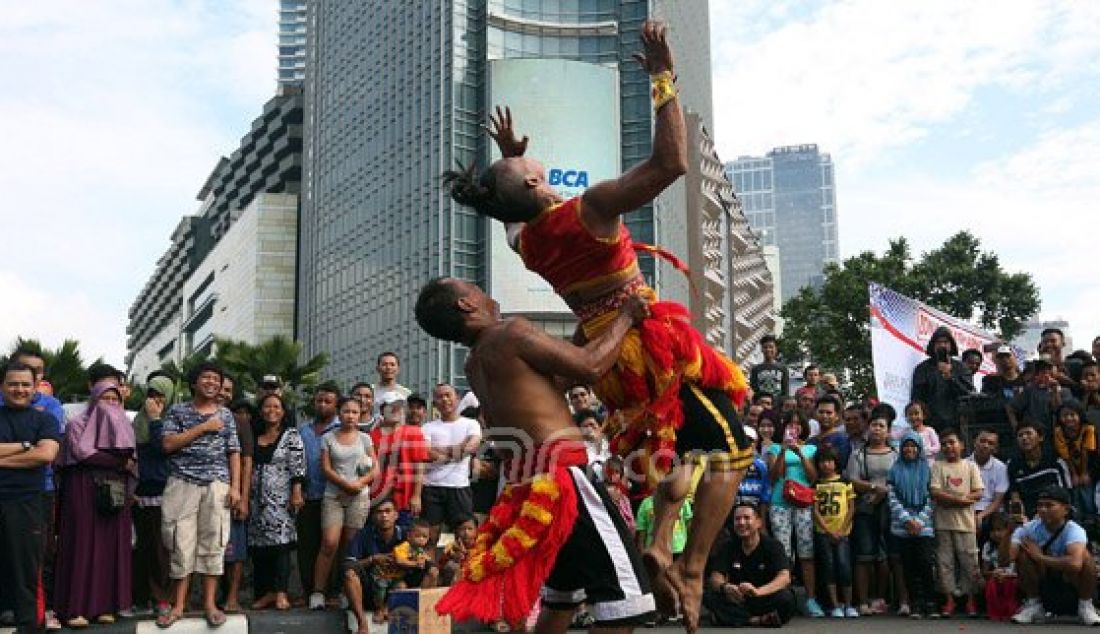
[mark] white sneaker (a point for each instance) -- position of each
(1086, 612)
(316, 601)
(1031, 612)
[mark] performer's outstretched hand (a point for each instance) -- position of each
(657, 55)
(505, 136)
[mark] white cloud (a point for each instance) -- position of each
(112, 116)
(33, 313)
(863, 77)
(1035, 208)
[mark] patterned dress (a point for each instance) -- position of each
(275, 468)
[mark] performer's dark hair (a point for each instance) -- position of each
(484, 193)
(436, 312)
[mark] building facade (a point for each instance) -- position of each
(380, 130)
(178, 312)
(731, 297)
(789, 198)
(292, 42)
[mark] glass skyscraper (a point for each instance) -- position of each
(292, 42)
(790, 202)
(395, 95)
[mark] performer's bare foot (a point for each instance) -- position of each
(664, 594)
(689, 589)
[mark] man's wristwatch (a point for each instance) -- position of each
(27, 445)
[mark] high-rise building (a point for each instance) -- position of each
(230, 268)
(688, 25)
(731, 290)
(396, 92)
(292, 42)
(789, 199)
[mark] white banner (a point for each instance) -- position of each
(900, 329)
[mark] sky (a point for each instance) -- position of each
(940, 116)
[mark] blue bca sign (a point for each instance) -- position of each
(568, 178)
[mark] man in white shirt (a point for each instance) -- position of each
(994, 477)
(388, 367)
(452, 440)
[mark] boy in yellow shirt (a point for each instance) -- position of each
(834, 511)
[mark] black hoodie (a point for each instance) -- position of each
(939, 394)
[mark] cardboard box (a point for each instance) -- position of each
(413, 612)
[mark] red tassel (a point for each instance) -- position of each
(511, 594)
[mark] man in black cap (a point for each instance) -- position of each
(1054, 564)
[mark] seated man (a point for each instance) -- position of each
(370, 558)
(1054, 563)
(749, 577)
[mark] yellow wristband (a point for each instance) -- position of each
(663, 90)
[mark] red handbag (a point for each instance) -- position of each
(797, 494)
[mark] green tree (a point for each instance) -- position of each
(278, 355)
(831, 325)
(65, 368)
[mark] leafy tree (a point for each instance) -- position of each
(831, 325)
(65, 367)
(278, 355)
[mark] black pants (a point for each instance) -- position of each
(49, 543)
(308, 524)
(22, 547)
(270, 568)
(917, 561)
(151, 558)
(726, 613)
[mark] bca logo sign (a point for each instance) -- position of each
(568, 178)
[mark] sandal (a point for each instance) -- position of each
(501, 627)
(77, 623)
(168, 619)
(215, 619)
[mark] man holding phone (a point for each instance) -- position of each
(941, 379)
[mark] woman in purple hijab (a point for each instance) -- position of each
(97, 475)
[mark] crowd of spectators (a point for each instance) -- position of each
(380, 488)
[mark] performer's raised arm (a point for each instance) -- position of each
(607, 200)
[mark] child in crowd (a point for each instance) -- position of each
(618, 491)
(834, 512)
(415, 558)
(1075, 443)
(999, 570)
(956, 486)
(408, 565)
(868, 470)
(450, 564)
(911, 524)
(915, 415)
(644, 532)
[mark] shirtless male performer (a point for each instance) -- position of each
(553, 528)
(678, 394)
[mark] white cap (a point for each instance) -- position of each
(1005, 350)
(389, 398)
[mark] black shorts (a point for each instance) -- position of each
(711, 426)
(446, 505)
(599, 564)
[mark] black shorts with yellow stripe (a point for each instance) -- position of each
(712, 427)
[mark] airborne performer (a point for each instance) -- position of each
(678, 395)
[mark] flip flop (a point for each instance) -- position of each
(215, 619)
(167, 620)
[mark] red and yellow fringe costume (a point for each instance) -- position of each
(657, 357)
(518, 543)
